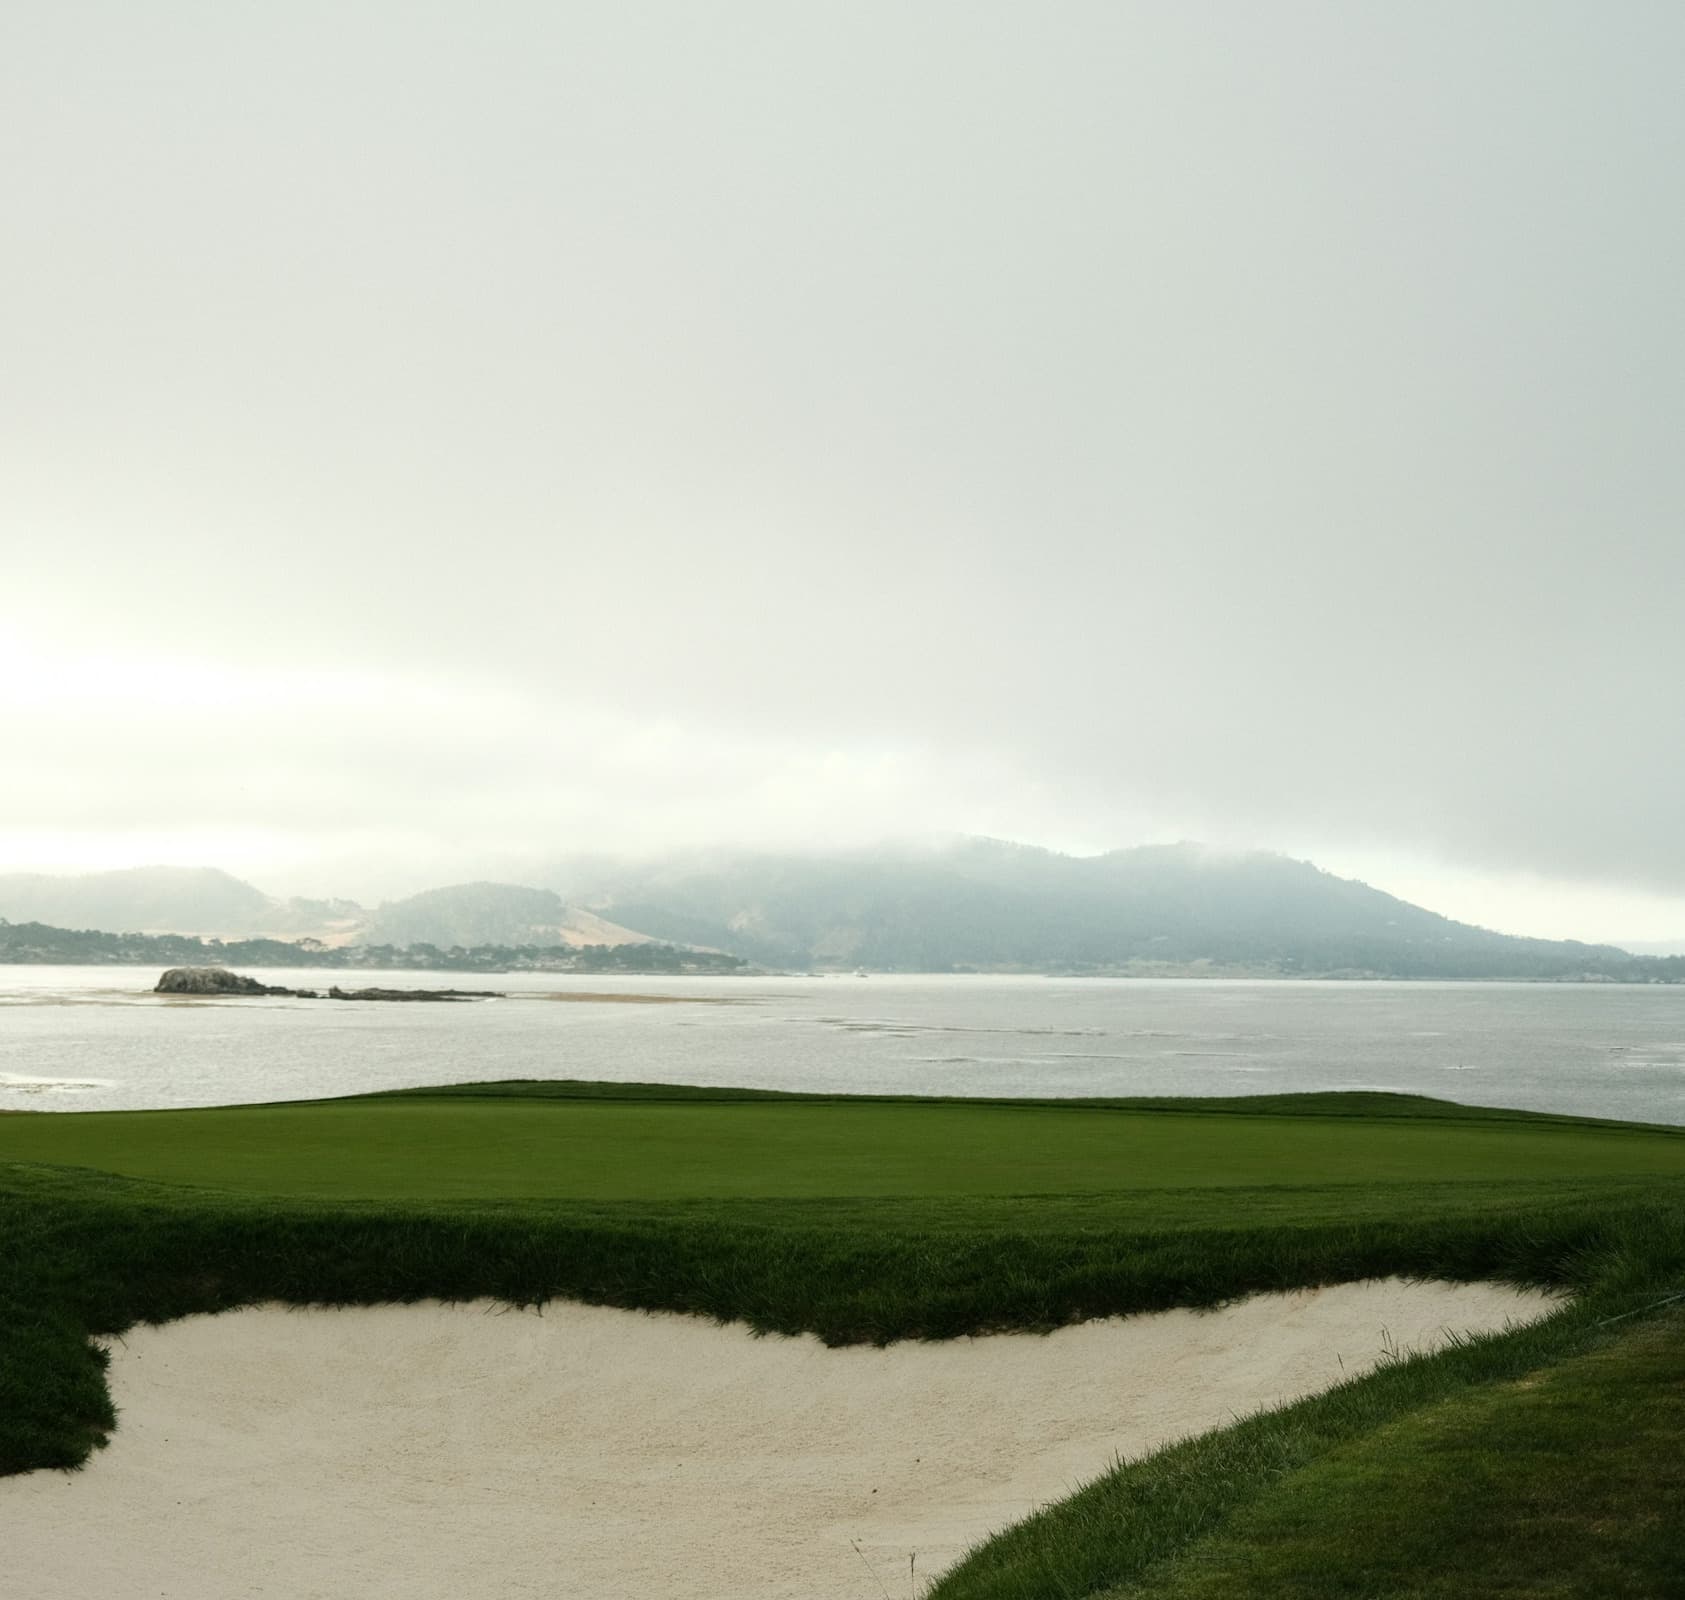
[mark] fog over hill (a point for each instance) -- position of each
(984, 904)
(971, 905)
(204, 900)
(1654, 947)
(143, 900)
(470, 914)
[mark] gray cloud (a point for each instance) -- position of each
(658, 420)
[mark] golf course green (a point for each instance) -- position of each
(417, 1147)
(865, 1219)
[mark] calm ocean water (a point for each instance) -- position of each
(77, 1038)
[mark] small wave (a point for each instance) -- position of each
(20, 1083)
(53, 997)
(1090, 1055)
(907, 1029)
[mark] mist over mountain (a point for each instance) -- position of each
(986, 905)
(142, 900)
(206, 900)
(972, 905)
(470, 914)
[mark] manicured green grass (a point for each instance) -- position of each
(426, 1148)
(880, 1219)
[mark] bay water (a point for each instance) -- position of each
(81, 1038)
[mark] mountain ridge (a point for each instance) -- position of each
(991, 905)
(485, 913)
(974, 904)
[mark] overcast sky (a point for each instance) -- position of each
(441, 437)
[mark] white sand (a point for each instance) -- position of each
(439, 1452)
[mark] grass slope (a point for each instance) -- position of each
(871, 1220)
(594, 1148)
(1583, 1457)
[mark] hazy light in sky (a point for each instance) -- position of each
(440, 438)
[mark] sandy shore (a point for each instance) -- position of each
(434, 1452)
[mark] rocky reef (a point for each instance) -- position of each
(336, 993)
(220, 981)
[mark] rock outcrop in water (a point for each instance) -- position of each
(336, 993)
(220, 981)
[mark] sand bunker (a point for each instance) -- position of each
(440, 1451)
